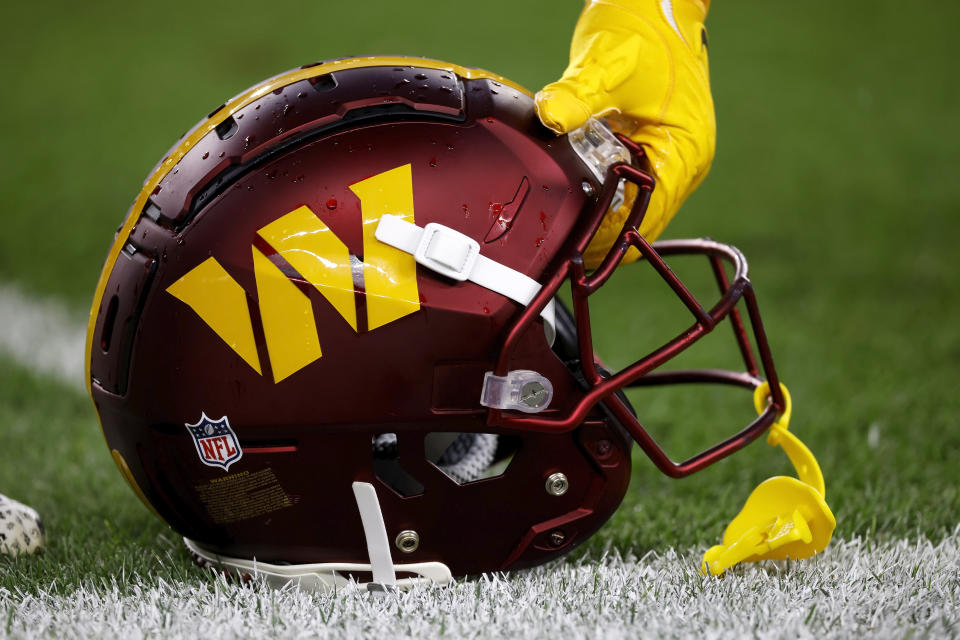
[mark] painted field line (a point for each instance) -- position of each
(42, 336)
(855, 589)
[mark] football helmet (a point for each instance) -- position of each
(326, 343)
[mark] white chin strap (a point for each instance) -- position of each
(378, 547)
(456, 255)
(329, 576)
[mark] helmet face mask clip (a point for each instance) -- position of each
(356, 264)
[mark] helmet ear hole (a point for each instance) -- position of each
(468, 457)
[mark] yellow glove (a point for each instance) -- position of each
(643, 65)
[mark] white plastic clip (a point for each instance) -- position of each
(520, 390)
(447, 251)
(599, 149)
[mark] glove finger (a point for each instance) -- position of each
(561, 109)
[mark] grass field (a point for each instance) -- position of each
(836, 174)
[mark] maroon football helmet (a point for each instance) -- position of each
(327, 337)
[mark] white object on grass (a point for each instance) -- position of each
(21, 530)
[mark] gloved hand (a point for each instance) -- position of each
(643, 65)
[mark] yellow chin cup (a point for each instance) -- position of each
(784, 517)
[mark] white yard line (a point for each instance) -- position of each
(856, 589)
(42, 336)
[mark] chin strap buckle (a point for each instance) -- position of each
(457, 256)
(784, 517)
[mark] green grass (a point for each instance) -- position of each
(54, 458)
(836, 173)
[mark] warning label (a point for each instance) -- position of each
(242, 496)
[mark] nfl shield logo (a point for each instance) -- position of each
(217, 444)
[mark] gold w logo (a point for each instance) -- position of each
(321, 258)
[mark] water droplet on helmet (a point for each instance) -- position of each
(332, 204)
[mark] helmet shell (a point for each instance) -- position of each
(474, 149)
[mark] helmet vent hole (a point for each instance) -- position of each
(324, 83)
(469, 457)
(214, 112)
(152, 211)
(387, 467)
(107, 332)
(226, 129)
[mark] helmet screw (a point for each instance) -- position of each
(588, 189)
(408, 541)
(603, 447)
(557, 484)
(533, 394)
(557, 537)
